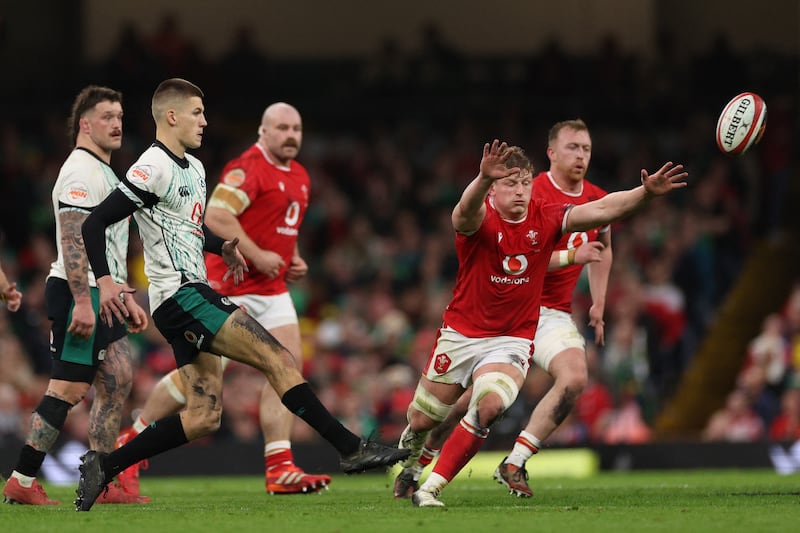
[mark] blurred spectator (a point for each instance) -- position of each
(12, 421)
(792, 314)
(596, 401)
(770, 351)
(623, 423)
(764, 401)
(735, 422)
(786, 426)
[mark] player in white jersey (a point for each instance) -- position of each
(165, 191)
(504, 239)
(84, 349)
(261, 197)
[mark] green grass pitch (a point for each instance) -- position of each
(719, 500)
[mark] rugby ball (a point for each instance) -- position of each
(741, 123)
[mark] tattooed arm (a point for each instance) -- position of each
(76, 265)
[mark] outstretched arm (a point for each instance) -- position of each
(470, 209)
(620, 204)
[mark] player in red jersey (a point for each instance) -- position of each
(261, 198)
(504, 241)
(559, 346)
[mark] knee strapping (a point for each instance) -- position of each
(53, 411)
(173, 389)
(430, 405)
(496, 382)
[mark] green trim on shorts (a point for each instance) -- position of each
(194, 303)
(76, 349)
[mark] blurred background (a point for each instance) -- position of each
(703, 313)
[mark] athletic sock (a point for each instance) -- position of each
(30, 461)
(427, 456)
(302, 401)
(278, 454)
(460, 447)
(424, 460)
(524, 447)
(158, 437)
(139, 424)
(48, 418)
(22, 479)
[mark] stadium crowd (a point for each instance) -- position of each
(390, 141)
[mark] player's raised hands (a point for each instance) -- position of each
(493, 162)
(667, 178)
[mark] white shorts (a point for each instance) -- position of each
(270, 311)
(556, 332)
(455, 357)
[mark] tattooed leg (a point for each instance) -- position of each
(203, 379)
(113, 385)
(243, 339)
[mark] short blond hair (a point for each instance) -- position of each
(574, 124)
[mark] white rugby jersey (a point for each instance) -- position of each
(170, 193)
(83, 182)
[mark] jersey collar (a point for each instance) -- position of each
(181, 161)
(269, 159)
(553, 181)
(91, 154)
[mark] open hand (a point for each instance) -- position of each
(493, 162)
(235, 261)
(667, 178)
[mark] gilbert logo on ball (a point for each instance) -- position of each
(741, 123)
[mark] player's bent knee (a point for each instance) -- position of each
(576, 383)
(574, 380)
(425, 407)
(504, 391)
(54, 411)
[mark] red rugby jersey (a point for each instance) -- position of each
(278, 199)
(501, 272)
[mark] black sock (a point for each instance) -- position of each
(302, 401)
(30, 461)
(52, 412)
(160, 436)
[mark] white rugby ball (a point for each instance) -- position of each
(741, 123)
